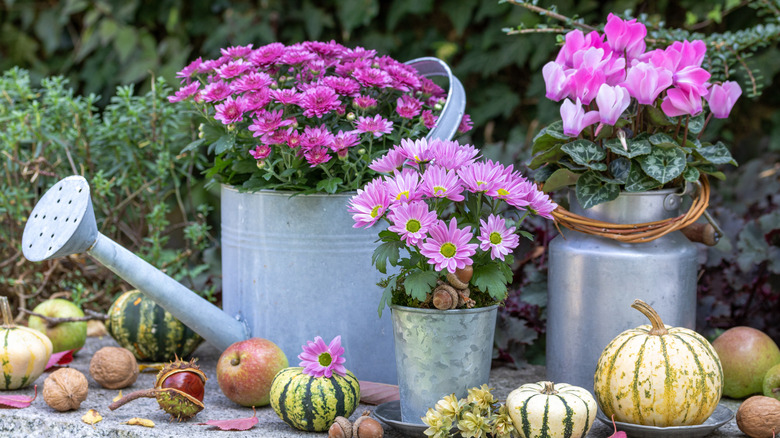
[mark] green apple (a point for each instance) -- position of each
(772, 382)
(66, 335)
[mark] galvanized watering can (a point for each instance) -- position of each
(63, 223)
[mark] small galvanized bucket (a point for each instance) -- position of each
(440, 352)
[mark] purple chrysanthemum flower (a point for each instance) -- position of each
(296, 55)
(372, 77)
(275, 137)
(438, 182)
(403, 78)
(257, 99)
(481, 177)
(267, 121)
(359, 53)
(404, 186)
(317, 155)
(251, 82)
(408, 107)
(325, 49)
(287, 96)
(390, 162)
(465, 124)
(370, 203)
(184, 92)
(496, 237)
(429, 120)
(540, 203)
(187, 72)
(418, 151)
(318, 101)
(342, 86)
(267, 55)
(233, 69)
(216, 91)
(347, 69)
(377, 126)
(411, 221)
(237, 51)
(231, 110)
(364, 102)
(343, 141)
(320, 360)
(293, 138)
(452, 155)
(430, 88)
(261, 152)
(448, 247)
(316, 137)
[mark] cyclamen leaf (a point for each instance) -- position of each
(560, 178)
(61, 358)
(663, 164)
(374, 393)
(592, 190)
(638, 181)
(548, 137)
(235, 424)
(662, 140)
(635, 147)
(548, 156)
(696, 124)
(18, 401)
(691, 174)
(586, 153)
(716, 154)
(619, 169)
(419, 283)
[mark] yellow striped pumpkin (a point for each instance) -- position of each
(24, 352)
(658, 375)
(551, 410)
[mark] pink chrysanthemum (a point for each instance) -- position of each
(296, 55)
(411, 221)
(275, 137)
(251, 82)
(237, 51)
(408, 107)
(448, 247)
(513, 189)
(257, 99)
(377, 125)
(287, 96)
(438, 182)
(342, 86)
(320, 360)
(403, 79)
(233, 69)
(418, 151)
(187, 72)
(496, 237)
(316, 137)
(465, 124)
(216, 91)
(452, 155)
(404, 186)
(372, 77)
(231, 110)
(430, 88)
(293, 138)
(364, 102)
(267, 55)
(342, 142)
(261, 152)
(390, 162)
(370, 203)
(267, 121)
(184, 92)
(318, 101)
(540, 203)
(481, 177)
(317, 155)
(429, 120)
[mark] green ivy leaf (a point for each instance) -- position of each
(551, 155)
(663, 164)
(662, 140)
(490, 279)
(636, 147)
(419, 283)
(586, 153)
(619, 168)
(638, 181)
(691, 174)
(329, 185)
(716, 154)
(560, 178)
(386, 252)
(592, 190)
(548, 137)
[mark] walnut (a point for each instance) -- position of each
(113, 367)
(759, 416)
(65, 389)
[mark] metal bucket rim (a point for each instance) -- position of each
(290, 193)
(438, 311)
(658, 192)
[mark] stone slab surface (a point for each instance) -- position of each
(39, 420)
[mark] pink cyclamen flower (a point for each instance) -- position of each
(404, 186)
(584, 84)
(318, 101)
(685, 53)
(448, 247)
(231, 110)
(556, 81)
(412, 221)
(261, 152)
(321, 360)
(370, 203)
(408, 107)
(496, 237)
(390, 162)
(645, 82)
(626, 37)
(692, 77)
(575, 119)
(438, 182)
(722, 98)
(576, 44)
(612, 101)
(679, 102)
(377, 125)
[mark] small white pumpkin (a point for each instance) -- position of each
(658, 375)
(24, 352)
(551, 410)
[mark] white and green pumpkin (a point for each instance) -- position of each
(313, 403)
(551, 410)
(658, 375)
(24, 352)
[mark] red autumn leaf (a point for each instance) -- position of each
(235, 424)
(374, 393)
(61, 358)
(617, 434)
(17, 401)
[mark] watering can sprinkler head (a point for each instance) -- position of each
(63, 223)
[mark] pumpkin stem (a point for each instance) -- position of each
(148, 393)
(549, 388)
(658, 326)
(8, 321)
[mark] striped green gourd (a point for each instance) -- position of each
(24, 352)
(149, 331)
(658, 375)
(551, 410)
(313, 403)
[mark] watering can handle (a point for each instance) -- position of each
(447, 124)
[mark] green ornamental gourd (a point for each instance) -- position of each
(312, 403)
(658, 375)
(551, 410)
(24, 352)
(146, 329)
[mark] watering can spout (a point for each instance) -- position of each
(63, 223)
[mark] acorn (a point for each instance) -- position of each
(367, 427)
(179, 389)
(341, 428)
(445, 297)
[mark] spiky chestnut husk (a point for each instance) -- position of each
(178, 389)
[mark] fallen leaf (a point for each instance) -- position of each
(91, 417)
(374, 393)
(150, 367)
(61, 358)
(617, 434)
(17, 401)
(135, 421)
(236, 424)
(118, 396)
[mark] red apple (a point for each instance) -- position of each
(246, 369)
